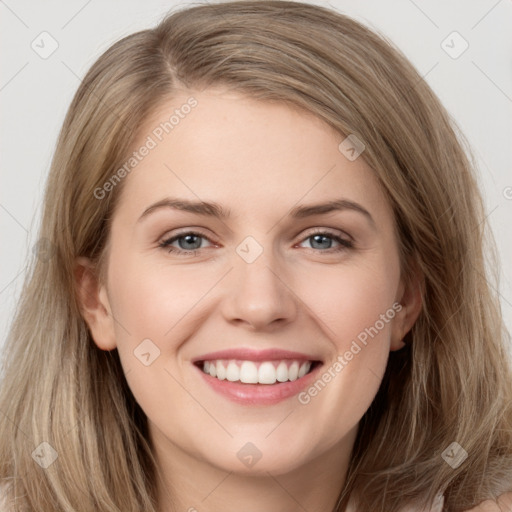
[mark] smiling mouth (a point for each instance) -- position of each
(257, 372)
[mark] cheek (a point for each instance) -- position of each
(151, 300)
(156, 307)
(349, 300)
(355, 307)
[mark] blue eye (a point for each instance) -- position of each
(323, 240)
(191, 241)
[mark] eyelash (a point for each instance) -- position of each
(344, 244)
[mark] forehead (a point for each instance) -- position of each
(248, 154)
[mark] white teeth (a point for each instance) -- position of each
(249, 372)
(266, 373)
(232, 372)
(303, 370)
(293, 371)
(282, 372)
(221, 371)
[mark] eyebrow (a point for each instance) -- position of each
(213, 209)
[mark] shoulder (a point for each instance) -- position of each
(437, 506)
(502, 504)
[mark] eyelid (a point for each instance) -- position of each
(342, 238)
(338, 235)
(199, 231)
(185, 231)
(331, 231)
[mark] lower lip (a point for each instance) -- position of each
(259, 394)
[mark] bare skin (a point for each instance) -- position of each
(502, 504)
(260, 161)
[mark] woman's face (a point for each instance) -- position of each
(272, 282)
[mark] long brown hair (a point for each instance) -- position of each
(450, 384)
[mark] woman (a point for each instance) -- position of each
(266, 289)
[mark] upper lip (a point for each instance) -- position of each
(249, 354)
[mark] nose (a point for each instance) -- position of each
(260, 296)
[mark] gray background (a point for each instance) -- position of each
(476, 88)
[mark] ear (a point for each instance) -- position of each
(410, 298)
(94, 304)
